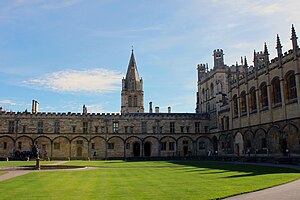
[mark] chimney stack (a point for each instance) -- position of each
(150, 107)
(35, 106)
(156, 109)
(169, 109)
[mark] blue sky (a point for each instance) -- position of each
(66, 53)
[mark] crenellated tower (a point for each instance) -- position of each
(132, 90)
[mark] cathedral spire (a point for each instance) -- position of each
(132, 72)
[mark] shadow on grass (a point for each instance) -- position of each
(247, 169)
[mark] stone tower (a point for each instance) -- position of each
(132, 90)
(218, 58)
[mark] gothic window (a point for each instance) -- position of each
(291, 86)
(116, 127)
(172, 127)
(276, 91)
(135, 101)
(56, 127)
(4, 145)
(211, 90)
(182, 129)
(201, 145)
(235, 106)
(187, 129)
(11, 126)
(129, 101)
(163, 146)
(24, 129)
(126, 129)
(85, 127)
(74, 129)
(144, 127)
(40, 127)
(243, 103)
(253, 105)
(96, 129)
(264, 95)
(197, 127)
(203, 94)
(171, 146)
(110, 145)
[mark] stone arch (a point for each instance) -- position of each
(203, 146)
(291, 137)
(133, 146)
(168, 146)
(238, 144)
(260, 141)
(185, 146)
(115, 147)
(6, 146)
(154, 145)
(248, 141)
(61, 147)
(44, 144)
(273, 140)
(79, 147)
(97, 147)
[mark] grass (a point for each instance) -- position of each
(146, 180)
(22, 163)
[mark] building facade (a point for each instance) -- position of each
(240, 110)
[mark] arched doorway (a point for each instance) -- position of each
(136, 149)
(147, 149)
(215, 145)
(284, 147)
(79, 151)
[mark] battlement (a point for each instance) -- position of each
(218, 51)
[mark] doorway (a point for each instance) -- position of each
(136, 149)
(147, 149)
(185, 150)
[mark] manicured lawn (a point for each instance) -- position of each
(22, 163)
(146, 180)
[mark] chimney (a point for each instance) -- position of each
(156, 109)
(35, 106)
(169, 109)
(150, 107)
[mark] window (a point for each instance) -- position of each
(201, 145)
(197, 127)
(116, 127)
(129, 101)
(171, 146)
(93, 146)
(182, 129)
(264, 95)
(185, 142)
(263, 143)
(172, 127)
(79, 142)
(253, 106)
(206, 129)
(131, 129)
(85, 127)
(11, 126)
(102, 129)
(40, 127)
(24, 129)
(74, 129)
(154, 129)
(126, 129)
(161, 129)
(291, 86)
(4, 145)
(19, 145)
(56, 145)
(127, 145)
(96, 129)
(43, 147)
(110, 145)
(211, 90)
(243, 103)
(187, 129)
(163, 146)
(276, 91)
(144, 127)
(235, 106)
(56, 127)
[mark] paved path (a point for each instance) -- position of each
(289, 191)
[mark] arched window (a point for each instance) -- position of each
(253, 106)
(235, 106)
(243, 103)
(203, 94)
(291, 86)
(264, 95)
(135, 101)
(211, 90)
(129, 101)
(276, 95)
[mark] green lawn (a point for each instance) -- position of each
(146, 180)
(22, 163)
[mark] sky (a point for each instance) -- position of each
(67, 53)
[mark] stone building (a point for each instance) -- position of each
(240, 110)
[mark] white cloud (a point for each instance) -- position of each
(94, 81)
(8, 102)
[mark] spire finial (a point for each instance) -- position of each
(245, 62)
(294, 36)
(266, 49)
(278, 46)
(132, 48)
